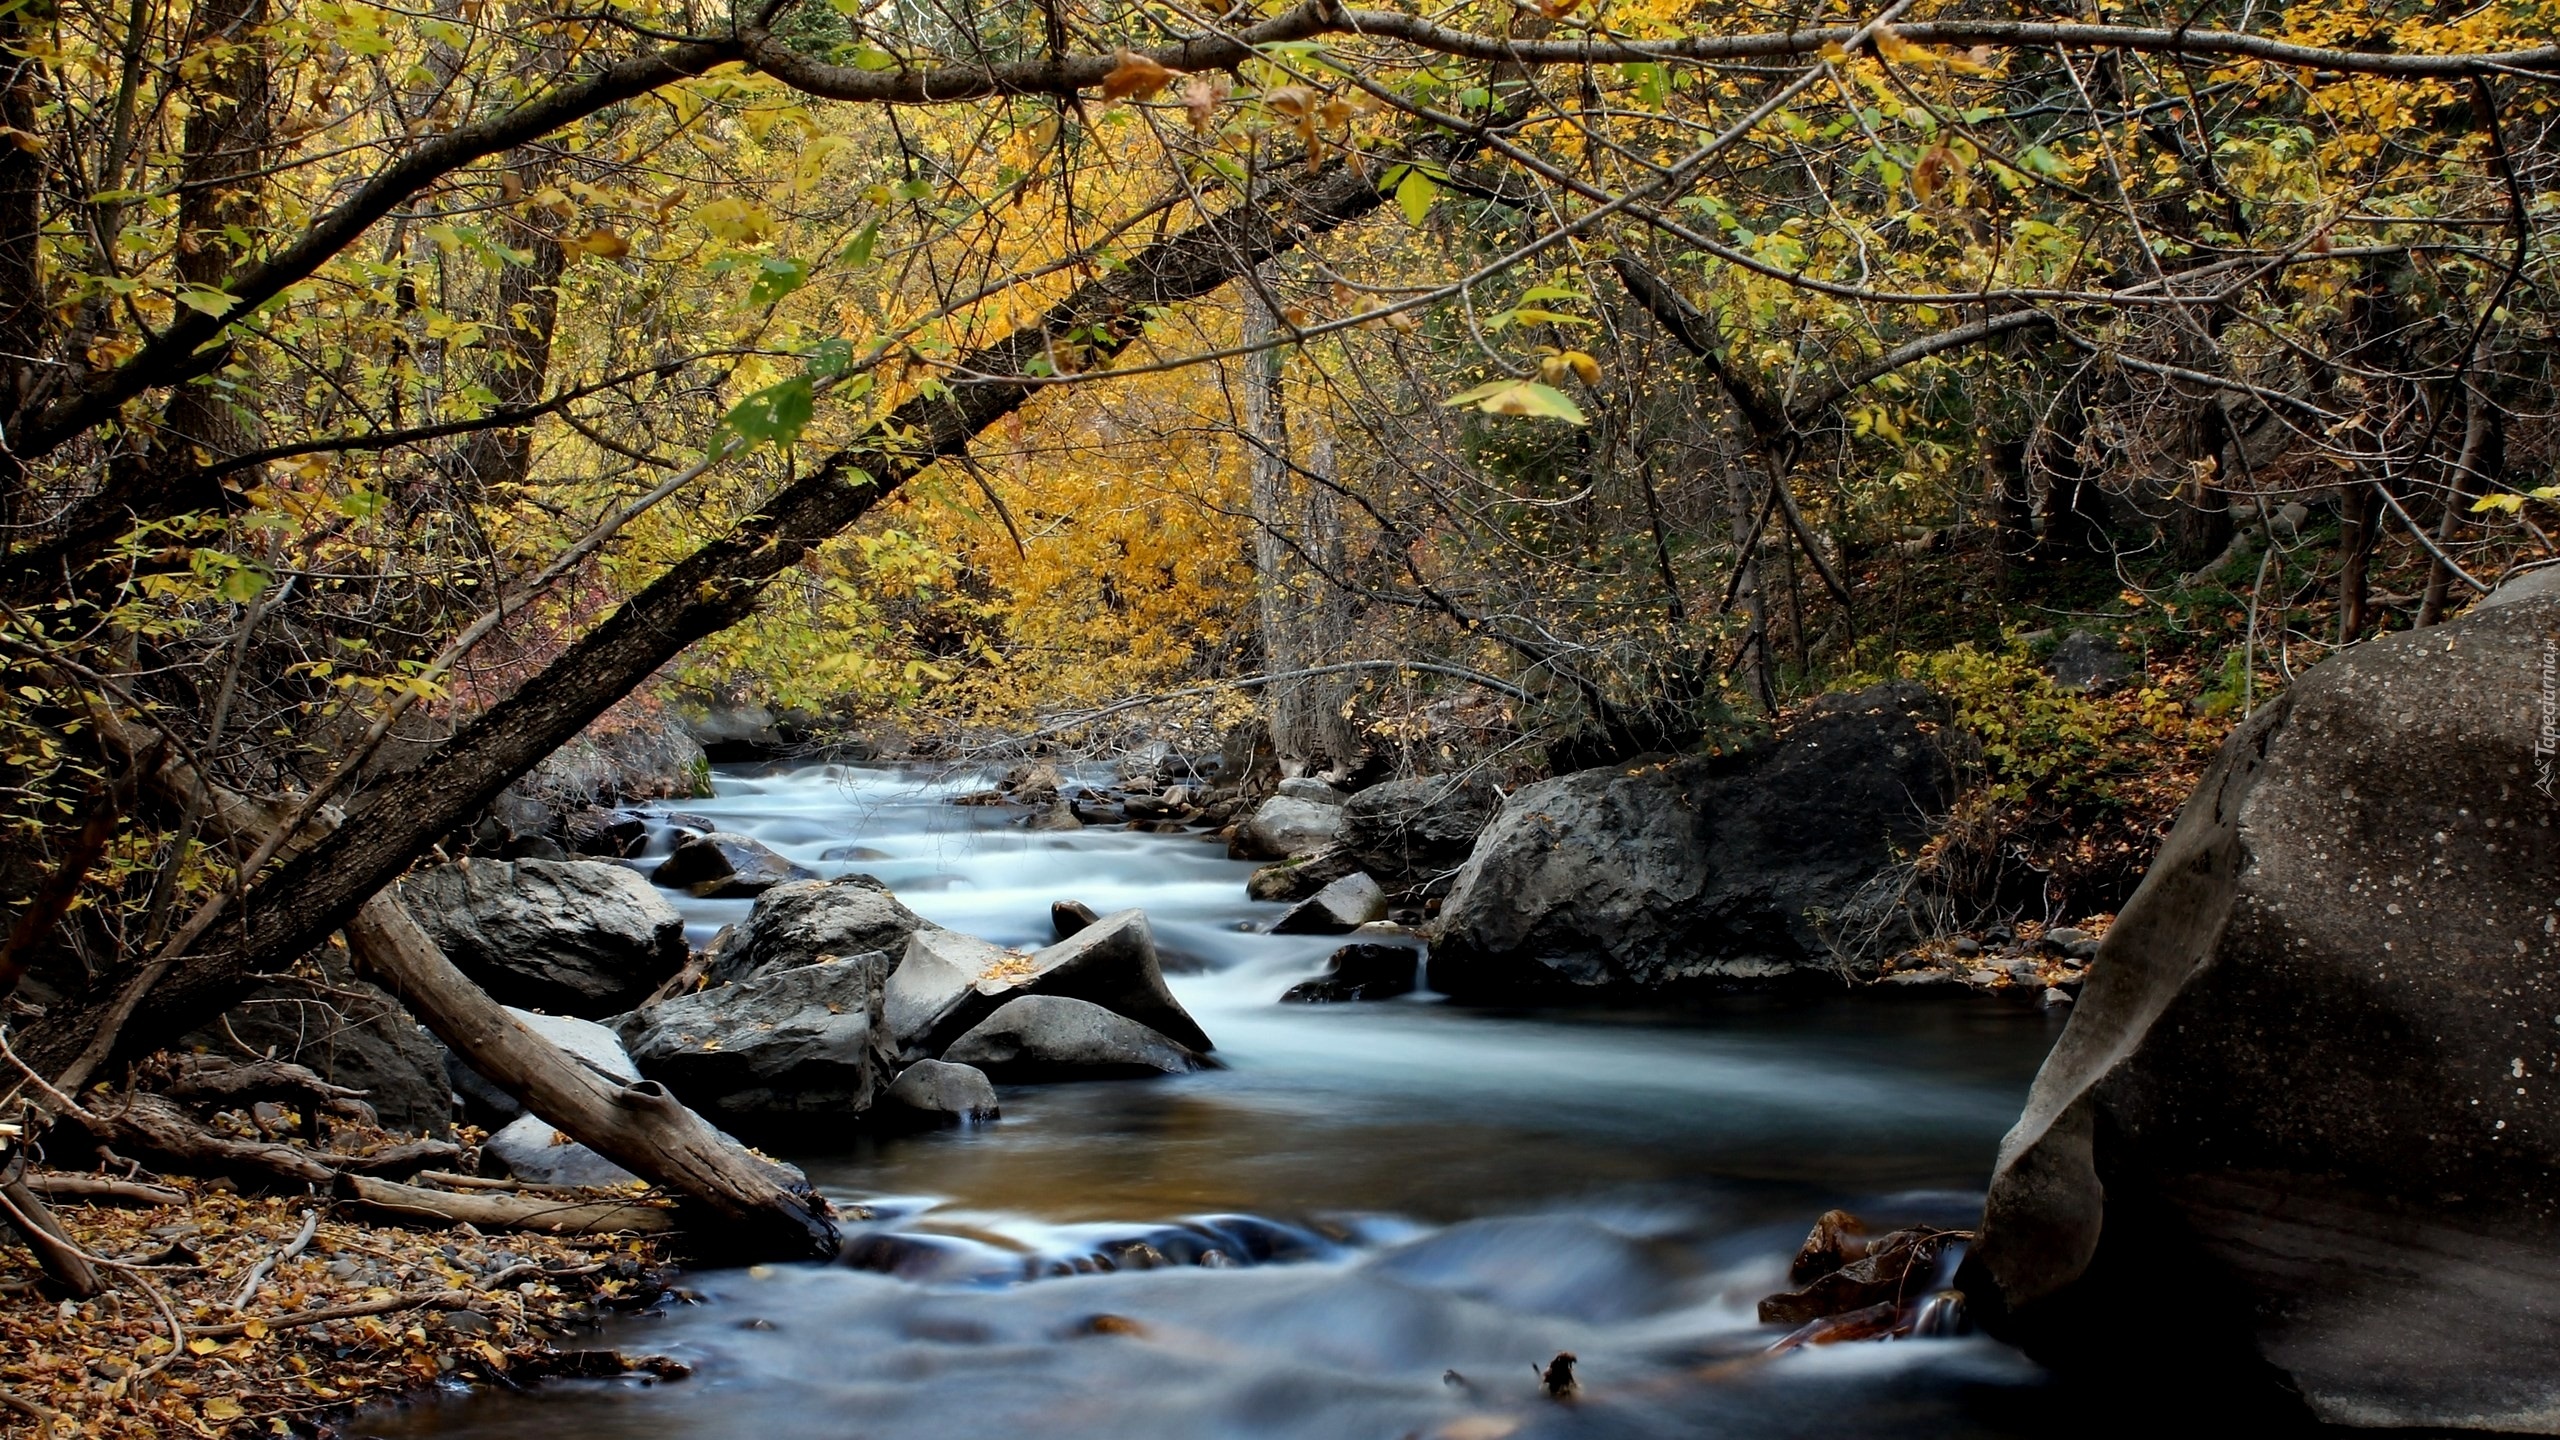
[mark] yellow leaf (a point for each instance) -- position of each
(222, 1407)
(599, 242)
(1135, 77)
(255, 1330)
(203, 1345)
(1890, 44)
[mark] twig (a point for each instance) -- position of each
(424, 1300)
(91, 1188)
(258, 1274)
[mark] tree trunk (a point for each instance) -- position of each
(2356, 532)
(26, 1213)
(519, 351)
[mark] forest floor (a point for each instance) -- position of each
(363, 1313)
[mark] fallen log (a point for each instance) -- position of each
(156, 1126)
(760, 1213)
(489, 1211)
(229, 1084)
(757, 1211)
(97, 1189)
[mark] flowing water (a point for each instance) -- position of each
(1411, 1205)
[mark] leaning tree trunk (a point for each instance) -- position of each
(297, 905)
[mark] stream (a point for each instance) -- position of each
(1411, 1205)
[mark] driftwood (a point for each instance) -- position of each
(758, 1211)
(64, 1262)
(97, 1189)
(640, 1127)
(229, 1084)
(428, 1300)
(507, 1212)
(157, 1126)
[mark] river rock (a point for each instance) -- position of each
(793, 925)
(930, 1093)
(585, 1041)
(725, 866)
(1337, 909)
(1297, 879)
(1054, 1037)
(804, 1040)
(1417, 827)
(1309, 788)
(947, 982)
(1703, 870)
(1286, 827)
(605, 834)
(571, 937)
(529, 1149)
(1360, 972)
(1066, 917)
(2305, 1118)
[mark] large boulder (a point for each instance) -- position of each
(723, 866)
(584, 1041)
(573, 937)
(1052, 1037)
(1417, 827)
(349, 1030)
(793, 925)
(947, 982)
(806, 1040)
(2304, 1115)
(1777, 863)
(1285, 827)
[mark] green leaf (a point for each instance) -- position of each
(362, 504)
(205, 300)
(857, 251)
(1521, 397)
(1414, 194)
(242, 585)
(774, 415)
(829, 358)
(776, 277)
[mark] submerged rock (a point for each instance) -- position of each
(2303, 1119)
(1052, 1037)
(1337, 909)
(947, 982)
(1361, 972)
(723, 866)
(572, 937)
(805, 1040)
(793, 925)
(1700, 871)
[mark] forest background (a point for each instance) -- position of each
(390, 394)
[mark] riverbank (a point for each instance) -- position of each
(343, 1314)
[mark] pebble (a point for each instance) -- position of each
(1966, 946)
(2055, 996)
